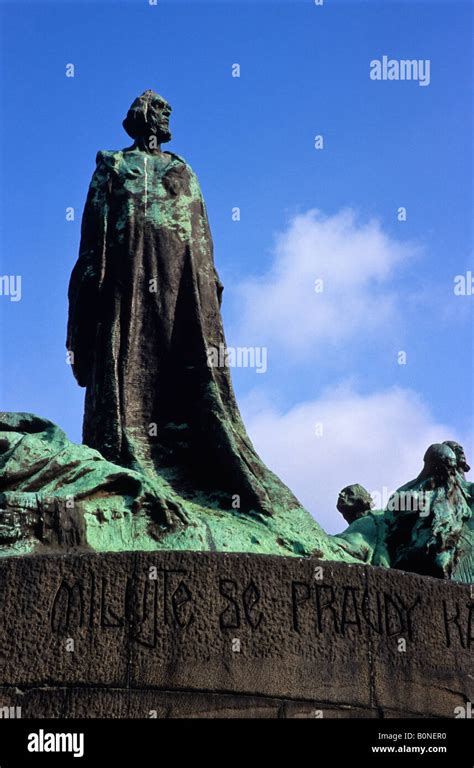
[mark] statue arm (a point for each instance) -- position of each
(358, 539)
(86, 276)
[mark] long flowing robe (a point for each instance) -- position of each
(144, 309)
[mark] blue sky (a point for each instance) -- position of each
(304, 71)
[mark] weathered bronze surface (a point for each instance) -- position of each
(166, 461)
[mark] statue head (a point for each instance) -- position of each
(433, 538)
(458, 451)
(440, 463)
(148, 117)
(354, 502)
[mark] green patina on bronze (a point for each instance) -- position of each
(166, 461)
(39, 465)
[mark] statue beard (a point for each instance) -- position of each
(154, 139)
(444, 478)
(163, 135)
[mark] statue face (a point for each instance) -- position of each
(149, 119)
(159, 122)
(458, 450)
(353, 502)
(449, 466)
(441, 463)
(346, 497)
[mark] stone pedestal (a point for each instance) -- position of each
(177, 634)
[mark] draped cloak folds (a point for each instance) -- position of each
(144, 309)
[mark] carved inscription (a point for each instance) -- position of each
(459, 624)
(141, 605)
(242, 606)
(145, 607)
(337, 610)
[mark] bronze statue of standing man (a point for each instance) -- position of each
(144, 309)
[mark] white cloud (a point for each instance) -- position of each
(377, 440)
(355, 262)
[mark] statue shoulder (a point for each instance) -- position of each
(108, 158)
(182, 165)
(178, 159)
